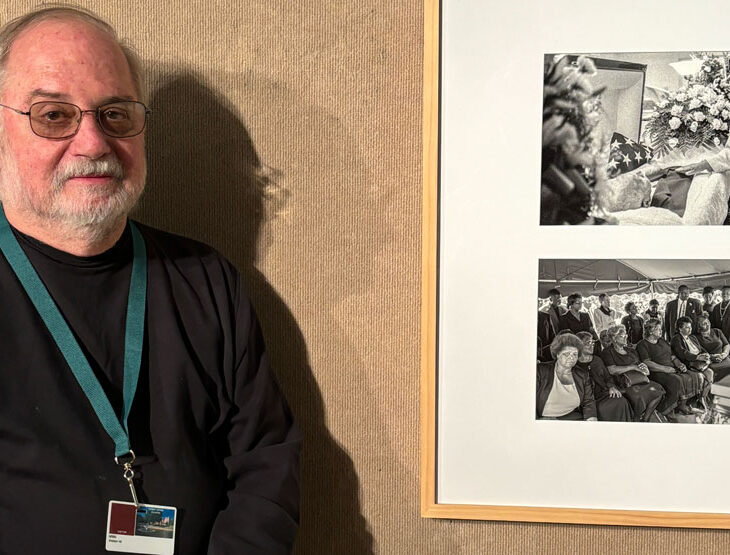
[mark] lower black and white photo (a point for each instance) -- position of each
(639, 340)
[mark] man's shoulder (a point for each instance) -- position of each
(177, 248)
(190, 262)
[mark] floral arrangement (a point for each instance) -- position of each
(697, 115)
(570, 145)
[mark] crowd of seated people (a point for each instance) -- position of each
(655, 367)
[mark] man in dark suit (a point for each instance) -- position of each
(683, 305)
(720, 317)
(545, 336)
(554, 312)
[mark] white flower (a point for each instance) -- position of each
(663, 104)
(676, 109)
(698, 116)
(707, 68)
(673, 142)
(716, 141)
(694, 104)
(725, 114)
(674, 123)
(716, 124)
(714, 111)
(680, 97)
(586, 65)
(724, 126)
(693, 127)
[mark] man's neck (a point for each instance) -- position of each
(79, 242)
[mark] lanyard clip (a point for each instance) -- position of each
(128, 474)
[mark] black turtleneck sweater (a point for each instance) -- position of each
(212, 434)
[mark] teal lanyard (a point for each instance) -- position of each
(68, 345)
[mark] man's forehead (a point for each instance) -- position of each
(55, 54)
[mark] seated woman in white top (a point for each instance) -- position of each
(564, 392)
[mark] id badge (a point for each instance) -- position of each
(146, 529)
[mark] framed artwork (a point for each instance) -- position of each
(492, 252)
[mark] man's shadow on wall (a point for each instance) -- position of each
(206, 181)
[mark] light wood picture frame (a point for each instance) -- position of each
(430, 505)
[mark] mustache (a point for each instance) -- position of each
(110, 166)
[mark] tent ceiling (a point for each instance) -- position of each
(594, 276)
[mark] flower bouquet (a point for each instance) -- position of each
(696, 115)
(570, 145)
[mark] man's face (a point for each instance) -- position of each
(67, 61)
(726, 295)
(606, 302)
(577, 304)
(708, 297)
(555, 299)
(683, 293)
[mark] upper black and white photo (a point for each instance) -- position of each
(635, 138)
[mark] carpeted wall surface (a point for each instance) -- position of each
(288, 135)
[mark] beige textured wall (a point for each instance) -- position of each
(326, 97)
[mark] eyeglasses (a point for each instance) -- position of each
(61, 120)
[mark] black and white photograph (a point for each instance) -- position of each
(627, 361)
(635, 138)
(634, 341)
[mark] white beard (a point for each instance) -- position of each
(91, 217)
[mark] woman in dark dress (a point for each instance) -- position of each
(564, 392)
(610, 403)
(633, 323)
(643, 397)
(666, 369)
(687, 349)
(716, 344)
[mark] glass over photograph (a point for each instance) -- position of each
(634, 340)
(635, 138)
